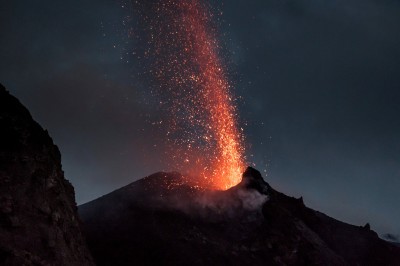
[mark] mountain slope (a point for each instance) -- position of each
(162, 220)
(39, 224)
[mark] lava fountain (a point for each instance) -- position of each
(184, 57)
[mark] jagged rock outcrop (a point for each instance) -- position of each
(162, 220)
(39, 224)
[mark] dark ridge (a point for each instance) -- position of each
(39, 224)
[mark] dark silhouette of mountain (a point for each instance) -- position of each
(163, 220)
(39, 224)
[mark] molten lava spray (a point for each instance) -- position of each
(184, 56)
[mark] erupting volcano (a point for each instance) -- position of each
(185, 58)
(159, 219)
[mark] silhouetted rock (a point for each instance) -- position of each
(252, 179)
(151, 222)
(367, 226)
(38, 215)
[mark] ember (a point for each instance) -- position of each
(202, 132)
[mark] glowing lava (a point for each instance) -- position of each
(184, 55)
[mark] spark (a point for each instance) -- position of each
(202, 132)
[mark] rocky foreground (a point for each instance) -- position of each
(39, 223)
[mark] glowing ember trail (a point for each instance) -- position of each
(201, 128)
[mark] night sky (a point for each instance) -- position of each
(319, 81)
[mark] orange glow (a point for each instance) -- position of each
(202, 132)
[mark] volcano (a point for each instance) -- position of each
(163, 220)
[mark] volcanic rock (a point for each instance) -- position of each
(160, 220)
(39, 224)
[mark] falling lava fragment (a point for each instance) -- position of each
(202, 132)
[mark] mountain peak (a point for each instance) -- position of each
(252, 179)
(248, 224)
